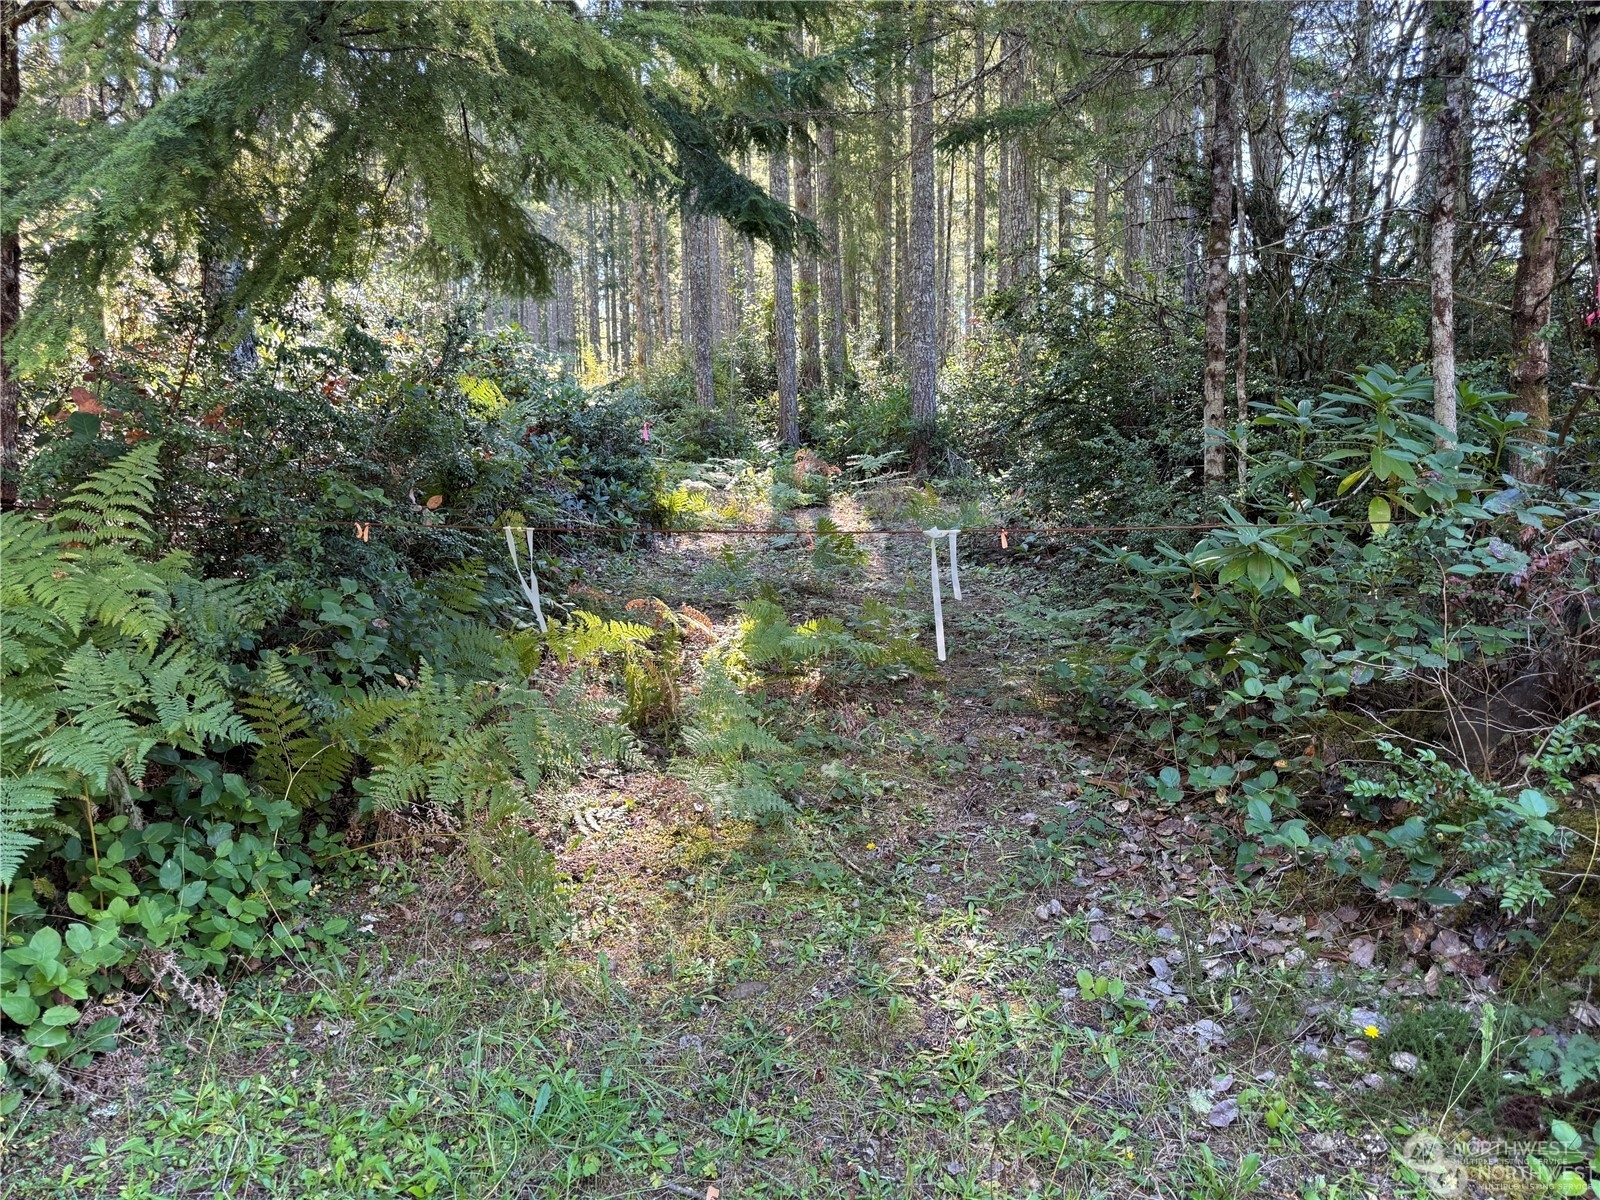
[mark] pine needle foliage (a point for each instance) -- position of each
(282, 138)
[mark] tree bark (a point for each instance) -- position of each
(980, 177)
(1018, 256)
(1448, 27)
(883, 214)
(1552, 114)
(923, 299)
(641, 292)
(591, 284)
(805, 197)
(662, 298)
(1102, 213)
(783, 316)
(832, 259)
(902, 225)
(1219, 244)
(10, 272)
(697, 270)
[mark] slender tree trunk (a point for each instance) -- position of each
(10, 272)
(980, 178)
(1241, 366)
(748, 281)
(883, 214)
(662, 298)
(805, 197)
(641, 292)
(783, 316)
(697, 270)
(1448, 28)
(688, 245)
(947, 196)
(610, 287)
(1018, 254)
(832, 258)
(591, 284)
(902, 226)
(1102, 213)
(923, 300)
(1219, 244)
(1552, 114)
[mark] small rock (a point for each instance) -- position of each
(1048, 910)
(953, 1168)
(1221, 1084)
(1373, 1082)
(1294, 958)
(747, 989)
(1362, 951)
(1324, 1143)
(1208, 1033)
(1403, 1061)
(690, 1041)
(1223, 1113)
(1099, 933)
(1368, 1018)
(1160, 968)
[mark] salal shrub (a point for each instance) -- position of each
(1372, 567)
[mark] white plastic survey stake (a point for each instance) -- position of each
(530, 581)
(933, 578)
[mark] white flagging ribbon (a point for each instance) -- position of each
(530, 581)
(933, 578)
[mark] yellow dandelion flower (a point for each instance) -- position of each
(872, 845)
(1372, 1031)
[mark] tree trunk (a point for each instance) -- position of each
(10, 272)
(805, 198)
(697, 270)
(783, 316)
(1017, 255)
(1241, 366)
(832, 259)
(1219, 245)
(1552, 113)
(883, 215)
(641, 292)
(923, 298)
(1448, 27)
(902, 226)
(980, 177)
(591, 284)
(662, 298)
(1102, 212)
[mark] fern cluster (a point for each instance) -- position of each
(877, 644)
(733, 753)
(95, 671)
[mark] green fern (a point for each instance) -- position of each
(723, 733)
(94, 668)
(292, 763)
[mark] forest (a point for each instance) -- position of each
(848, 598)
